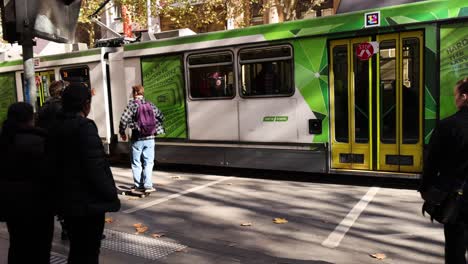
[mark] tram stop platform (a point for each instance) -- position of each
(263, 217)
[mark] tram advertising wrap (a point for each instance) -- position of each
(453, 63)
(7, 94)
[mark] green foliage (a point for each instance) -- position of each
(196, 14)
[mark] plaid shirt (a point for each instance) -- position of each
(128, 120)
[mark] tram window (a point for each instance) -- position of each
(387, 58)
(43, 81)
(76, 75)
(340, 73)
(267, 71)
(410, 90)
(211, 76)
(361, 98)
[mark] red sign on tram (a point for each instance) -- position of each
(364, 51)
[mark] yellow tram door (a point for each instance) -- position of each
(376, 109)
(350, 106)
(399, 102)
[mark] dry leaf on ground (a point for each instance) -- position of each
(155, 235)
(138, 225)
(280, 221)
(246, 224)
(141, 230)
(109, 220)
(378, 256)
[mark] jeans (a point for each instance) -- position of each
(142, 163)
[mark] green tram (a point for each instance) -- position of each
(356, 93)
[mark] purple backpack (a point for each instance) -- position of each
(145, 119)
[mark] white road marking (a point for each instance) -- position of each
(172, 196)
(340, 231)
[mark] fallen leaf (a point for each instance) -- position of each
(138, 225)
(280, 221)
(142, 229)
(157, 235)
(246, 224)
(109, 220)
(379, 256)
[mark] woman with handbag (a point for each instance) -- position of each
(446, 170)
(25, 181)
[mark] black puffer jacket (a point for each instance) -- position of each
(47, 115)
(85, 184)
(446, 165)
(25, 181)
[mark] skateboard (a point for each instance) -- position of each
(127, 191)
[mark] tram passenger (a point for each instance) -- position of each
(86, 188)
(217, 84)
(266, 81)
(446, 166)
(138, 113)
(24, 203)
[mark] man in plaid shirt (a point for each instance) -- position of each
(142, 146)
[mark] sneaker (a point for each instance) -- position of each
(138, 189)
(149, 190)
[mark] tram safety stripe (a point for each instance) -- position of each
(334, 239)
(172, 196)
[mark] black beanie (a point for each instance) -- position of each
(75, 96)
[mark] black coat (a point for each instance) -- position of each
(446, 164)
(25, 181)
(47, 115)
(85, 184)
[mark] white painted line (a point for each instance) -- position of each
(172, 196)
(340, 231)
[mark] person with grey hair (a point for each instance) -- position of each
(52, 106)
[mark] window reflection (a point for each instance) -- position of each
(211, 75)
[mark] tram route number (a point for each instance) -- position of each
(365, 50)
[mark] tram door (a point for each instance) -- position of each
(376, 104)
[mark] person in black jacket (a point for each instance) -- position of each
(446, 167)
(86, 188)
(46, 116)
(52, 106)
(25, 203)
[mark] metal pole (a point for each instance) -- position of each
(157, 20)
(28, 65)
(148, 13)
